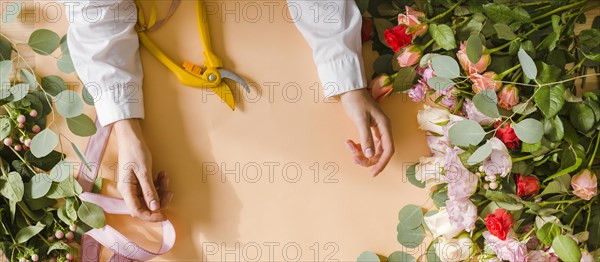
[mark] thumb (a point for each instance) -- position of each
(366, 138)
(148, 190)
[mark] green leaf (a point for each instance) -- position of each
(67, 212)
(11, 11)
(445, 66)
(381, 25)
(91, 214)
(97, 188)
(547, 233)
(53, 85)
(400, 256)
(13, 187)
(40, 185)
(410, 216)
(368, 256)
(486, 101)
(504, 32)
(443, 36)
(28, 232)
(62, 189)
(60, 245)
(404, 79)
(5, 50)
(527, 64)
(529, 130)
(65, 64)
(44, 41)
(474, 48)
(440, 83)
(410, 174)
(5, 127)
(43, 143)
(499, 13)
(554, 187)
(480, 154)
(590, 38)
(5, 68)
(465, 133)
(80, 156)
(28, 78)
(61, 171)
(582, 117)
(410, 238)
(550, 99)
(45, 163)
(68, 104)
(566, 248)
(81, 125)
(554, 129)
(19, 91)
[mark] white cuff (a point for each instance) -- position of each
(341, 75)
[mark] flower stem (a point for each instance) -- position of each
(595, 151)
(446, 12)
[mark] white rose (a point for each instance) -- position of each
(432, 118)
(454, 250)
(586, 256)
(439, 225)
(429, 171)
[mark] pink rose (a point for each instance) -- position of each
(410, 55)
(378, 90)
(449, 101)
(485, 81)
(508, 97)
(462, 213)
(585, 184)
(411, 20)
(467, 65)
(510, 249)
(473, 114)
(427, 73)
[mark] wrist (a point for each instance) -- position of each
(128, 129)
(352, 94)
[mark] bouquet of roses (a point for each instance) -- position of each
(513, 129)
(42, 217)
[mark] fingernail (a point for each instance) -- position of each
(170, 197)
(153, 205)
(349, 147)
(369, 152)
(167, 181)
(355, 161)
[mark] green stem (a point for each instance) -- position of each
(595, 151)
(560, 202)
(558, 10)
(446, 12)
(508, 71)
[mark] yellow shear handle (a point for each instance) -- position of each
(211, 59)
(218, 87)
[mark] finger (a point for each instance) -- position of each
(135, 205)
(366, 138)
(162, 187)
(148, 190)
(354, 148)
(387, 144)
(358, 158)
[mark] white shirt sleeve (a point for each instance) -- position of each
(104, 48)
(332, 29)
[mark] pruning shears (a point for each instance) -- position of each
(211, 74)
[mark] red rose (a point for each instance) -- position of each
(527, 185)
(507, 135)
(499, 223)
(366, 33)
(397, 38)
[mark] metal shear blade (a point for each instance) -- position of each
(233, 76)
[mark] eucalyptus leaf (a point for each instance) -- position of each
(12, 186)
(53, 85)
(486, 102)
(91, 214)
(445, 66)
(65, 64)
(44, 41)
(465, 133)
(529, 130)
(440, 83)
(81, 125)
(68, 104)
(19, 91)
(480, 154)
(410, 238)
(410, 216)
(368, 256)
(43, 143)
(474, 48)
(6, 68)
(527, 64)
(400, 256)
(40, 185)
(5, 127)
(61, 171)
(28, 232)
(81, 156)
(28, 78)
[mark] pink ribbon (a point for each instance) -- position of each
(124, 249)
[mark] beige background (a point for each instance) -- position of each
(221, 209)
(277, 216)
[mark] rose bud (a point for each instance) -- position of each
(585, 184)
(467, 65)
(508, 97)
(377, 88)
(411, 20)
(397, 38)
(527, 185)
(507, 135)
(410, 55)
(485, 81)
